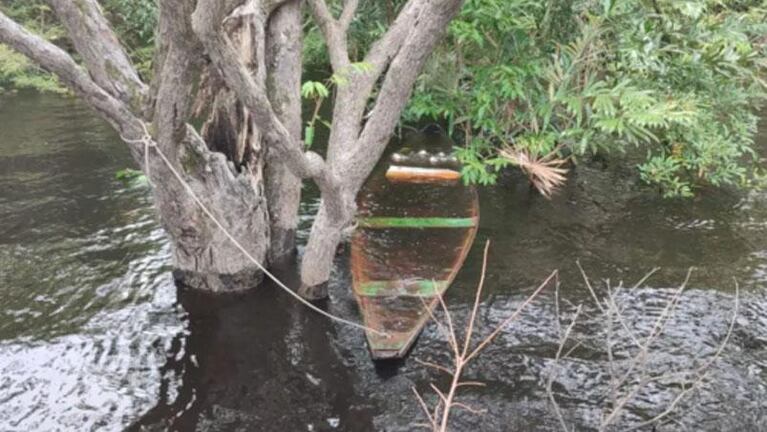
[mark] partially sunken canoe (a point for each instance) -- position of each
(411, 241)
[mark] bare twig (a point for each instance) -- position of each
(425, 409)
(639, 362)
(434, 366)
(441, 327)
(637, 375)
(470, 327)
(562, 342)
(512, 317)
(701, 372)
(439, 416)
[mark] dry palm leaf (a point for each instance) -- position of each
(545, 173)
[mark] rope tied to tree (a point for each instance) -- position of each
(149, 143)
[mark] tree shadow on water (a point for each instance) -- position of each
(254, 361)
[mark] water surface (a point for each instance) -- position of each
(95, 336)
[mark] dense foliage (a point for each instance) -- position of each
(681, 79)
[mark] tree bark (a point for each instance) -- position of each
(251, 87)
(284, 68)
(108, 63)
(224, 168)
(204, 257)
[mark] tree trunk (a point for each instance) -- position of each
(284, 67)
(204, 256)
(224, 167)
(321, 249)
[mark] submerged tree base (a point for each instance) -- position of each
(244, 280)
(283, 247)
(314, 292)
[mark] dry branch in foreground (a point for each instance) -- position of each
(438, 416)
(629, 377)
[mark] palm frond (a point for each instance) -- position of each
(545, 173)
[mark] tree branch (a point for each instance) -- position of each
(406, 66)
(176, 75)
(58, 62)
(352, 98)
(334, 31)
(104, 56)
(384, 49)
(347, 15)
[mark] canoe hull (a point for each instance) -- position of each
(411, 241)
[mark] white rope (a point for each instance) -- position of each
(148, 142)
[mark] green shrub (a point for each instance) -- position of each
(681, 79)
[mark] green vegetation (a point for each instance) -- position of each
(679, 80)
(131, 177)
(134, 21)
(318, 91)
(16, 72)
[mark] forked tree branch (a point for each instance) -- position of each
(404, 50)
(400, 78)
(352, 98)
(462, 353)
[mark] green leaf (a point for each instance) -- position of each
(314, 89)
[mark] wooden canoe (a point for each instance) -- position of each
(411, 240)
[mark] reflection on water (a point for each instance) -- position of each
(94, 336)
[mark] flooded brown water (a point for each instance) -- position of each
(95, 336)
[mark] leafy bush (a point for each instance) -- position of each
(681, 79)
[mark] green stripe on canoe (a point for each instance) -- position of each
(416, 288)
(416, 222)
